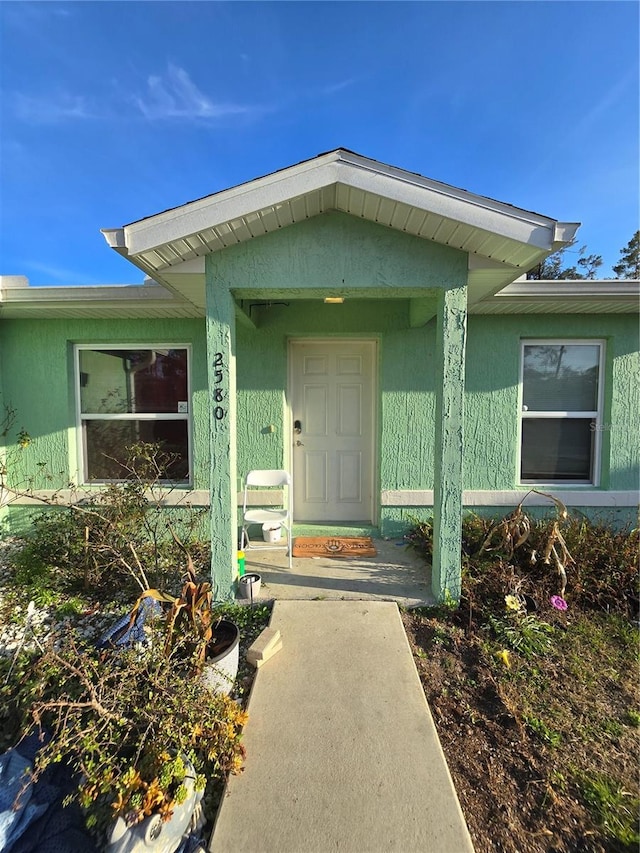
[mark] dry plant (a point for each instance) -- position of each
(514, 530)
(118, 532)
(128, 725)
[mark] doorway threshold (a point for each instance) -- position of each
(328, 528)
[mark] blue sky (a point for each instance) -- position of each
(115, 111)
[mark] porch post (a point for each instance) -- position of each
(221, 380)
(447, 503)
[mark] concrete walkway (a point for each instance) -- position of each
(396, 573)
(342, 752)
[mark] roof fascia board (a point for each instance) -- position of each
(87, 293)
(223, 207)
(350, 170)
(256, 184)
(528, 228)
(573, 288)
(446, 190)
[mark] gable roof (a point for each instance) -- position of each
(503, 241)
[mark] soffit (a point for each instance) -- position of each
(391, 213)
(346, 182)
(99, 302)
(563, 297)
(554, 306)
(154, 301)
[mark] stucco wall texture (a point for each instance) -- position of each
(36, 362)
(37, 365)
(407, 375)
(493, 372)
(335, 253)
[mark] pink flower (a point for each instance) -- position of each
(558, 602)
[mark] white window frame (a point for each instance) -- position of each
(593, 416)
(139, 416)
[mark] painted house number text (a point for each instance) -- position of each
(218, 393)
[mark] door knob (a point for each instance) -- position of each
(299, 443)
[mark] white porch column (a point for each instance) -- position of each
(447, 505)
(221, 373)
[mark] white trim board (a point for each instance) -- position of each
(573, 497)
(397, 498)
(167, 497)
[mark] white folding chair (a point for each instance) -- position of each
(267, 480)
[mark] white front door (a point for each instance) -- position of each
(333, 417)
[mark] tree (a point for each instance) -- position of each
(554, 267)
(629, 266)
(589, 265)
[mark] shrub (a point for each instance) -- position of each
(53, 555)
(601, 564)
(113, 539)
(420, 538)
(605, 574)
(126, 724)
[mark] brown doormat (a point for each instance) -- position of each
(333, 546)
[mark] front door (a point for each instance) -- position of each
(333, 412)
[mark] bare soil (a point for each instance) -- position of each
(524, 738)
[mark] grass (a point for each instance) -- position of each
(614, 809)
(542, 730)
(538, 712)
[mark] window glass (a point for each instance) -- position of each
(106, 444)
(560, 411)
(561, 377)
(131, 395)
(557, 449)
(132, 381)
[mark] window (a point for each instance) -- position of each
(561, 411)
(127, 395)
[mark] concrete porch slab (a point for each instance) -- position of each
(342, 751)
(394, 574)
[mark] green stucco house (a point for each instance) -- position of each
(366, 328)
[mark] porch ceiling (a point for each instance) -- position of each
(503, 240)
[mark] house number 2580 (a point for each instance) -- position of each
(218, 394)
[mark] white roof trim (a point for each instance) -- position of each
(148, 300)
(341, 180)
(17, 299)
(550, 288)
(88, 293)
(607, 296)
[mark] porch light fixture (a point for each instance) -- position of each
(334, 300)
